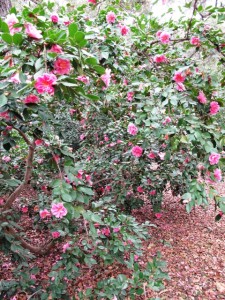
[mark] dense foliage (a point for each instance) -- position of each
(96, 113)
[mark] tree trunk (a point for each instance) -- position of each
(5, 6)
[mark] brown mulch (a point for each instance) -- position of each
(192, 244)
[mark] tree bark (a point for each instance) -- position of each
(5, 6)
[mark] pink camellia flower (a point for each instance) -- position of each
(106, 77)
(214, 158)
(214, 108)
(195, 41)
(218, 174)
(106, 138)
(62, 66)
(92, 1)
(105, 231)
(32, 31)
(201, 97)
(140, 189)
(124, 30)
(160, 58)
(180, 87)
(82, 136)
(15, 78)
(161, 155)
(56, 158)
(132, 129)
(83, 79)
(1, 201)
(55, 18)
(44, 83)
(130, 96)
(117, 229)
(31, 99)
(6, 159)
(65, 247)
(55, 234)
(11, 20)
(56, 49)
(152, 193)
(137, 151)
(80, 174)
(158, 33)
(58, 210)
(110, 17)
(178, 77)
(44, 214)
(164, 37)
(72, 111)
(5, 115)
(151, 155)
(136, 257)
(38, 142)
(158, 215)
(167, 120)
(40, 160)
(24, 209)
(9, 128)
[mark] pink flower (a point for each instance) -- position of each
(11, 20)
(180, 87)
(106, 77)
(218, 174)
(201, 97)
(44, 83)
(125, 81)
(178, 77)
(195, 41)
(83, 79)
(132, 129)
(105, 231)
(31, 99)
(56, 49)
(161, 155)
(164, 37)
(6, 158)
(167, 120)
(56, 158)
(160, 58)
(137, 151)
(140, 189)
(55, 234)
(58, 210)
(124, 30)
(158, 33)
(44, 214)
(24, 209)
(15, 78)
(130, 96)
(55, 18)
(214, 158)
(152, 193)
(151, 155)
(214, 108)
(110, 17)
(106, 138)
(62, 66)
(82, 137)
(80, 174)
(158, 215)
(32, 31)
(136, 257)
(40, 160)
(38, 142)
(117, 229)
(5, 115)
(92, 1)
(72, 111)
(65, 247)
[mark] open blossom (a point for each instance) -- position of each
(151, 155)
(164, 37)
(110, 17)
(31, 99)
(38, 142)
(62, 66)
(44, 214)
(65, 247)
(15, 78)
(152, 193)
(167, 120)
(56, 49)
(92, 1)
(158, 215)
(105, 231)
(44, 83)
(124, 30)
(137, 151)
(218, 174)
(58, 210)
(201, 97)
(214, 158)
(106, 77)
(180, 87)
(5, 115)
(132, 129)
(178, 77)
(160, 58)
(6, 158)
(195, 41)
(32, 31)
(55, 234)
(83, 79)
(162, 155)
(214, 108)
(55, 18)
(140, 189)
(11, 20)
(130, 96)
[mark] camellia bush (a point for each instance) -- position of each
(96, 114)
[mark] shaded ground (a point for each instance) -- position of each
(193, 246)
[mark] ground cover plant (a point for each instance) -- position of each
(97, 116)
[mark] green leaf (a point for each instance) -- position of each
(3, 100)
(72, 29)
(85, 190)
(91, 61)
(66, 197)
(100, 70)
(17, 39)
(7, 38)
(4, 27)
(79, 36)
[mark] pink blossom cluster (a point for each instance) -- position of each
(137, 151)
(110, 17)
(163, 36)
(44, 83)
(32, 31)
(179, 77)
(62, 66)
(214, 108)
(160, 58)
(201, 97)
(214, 158)
(31, 99)
(195, 41)
(132, 129)
(11, 20)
